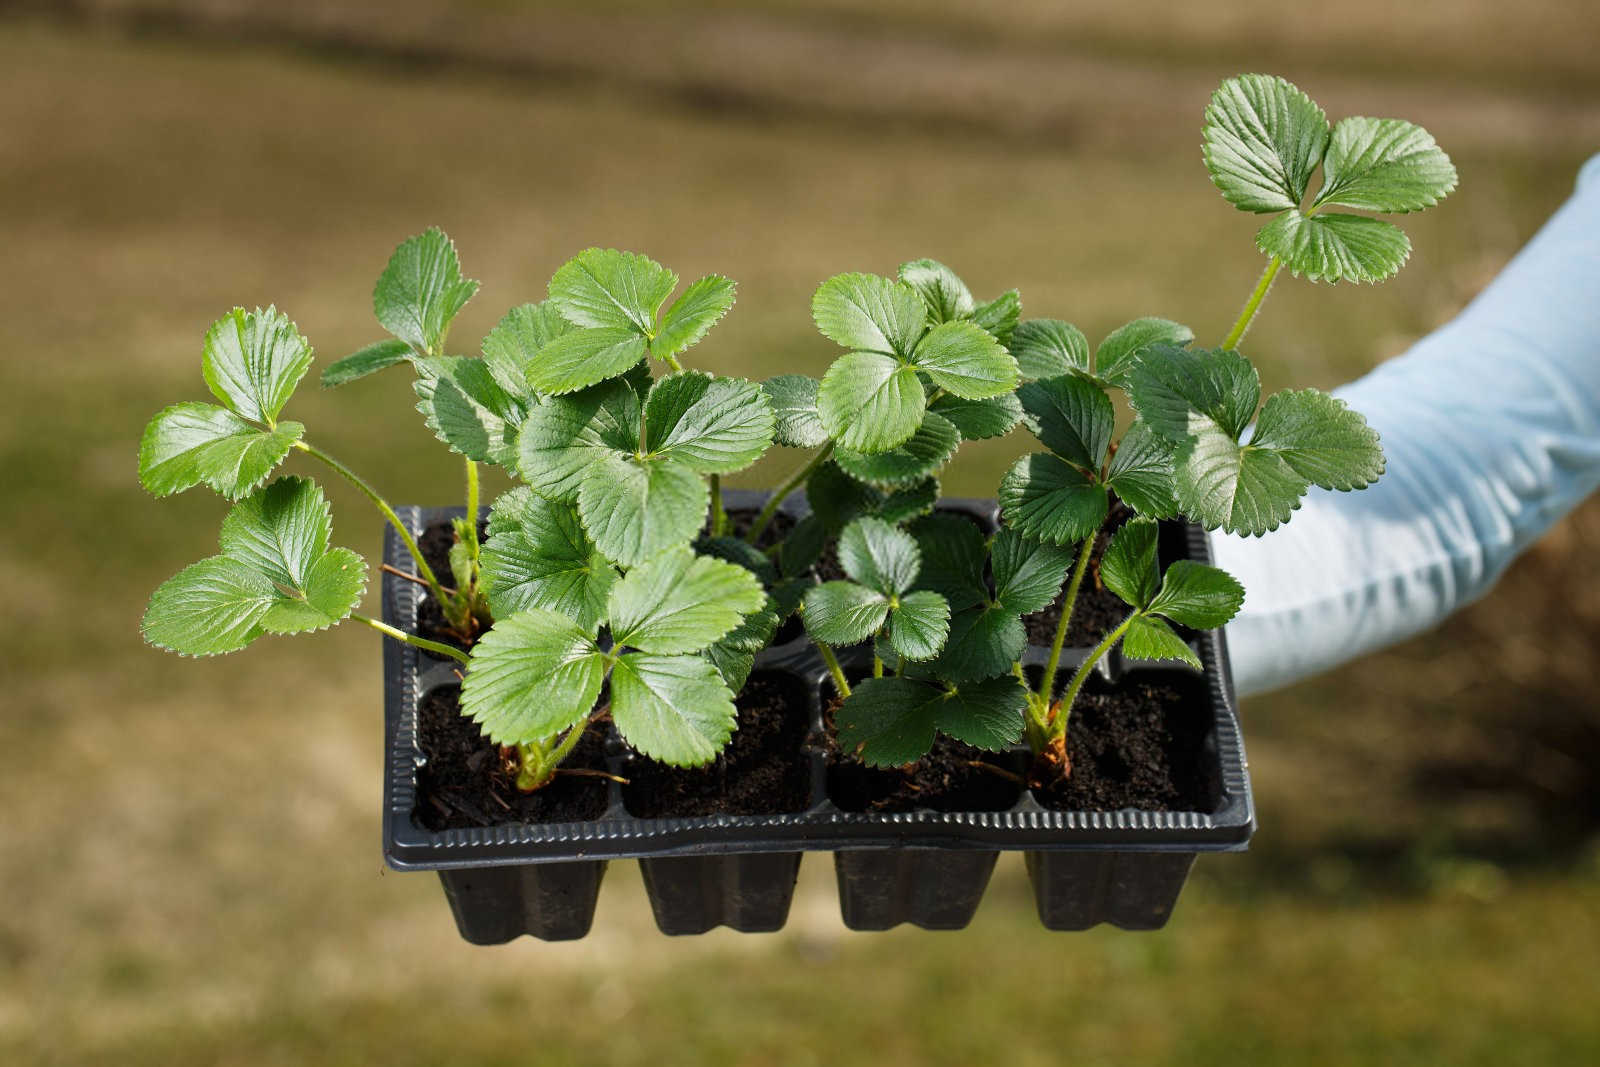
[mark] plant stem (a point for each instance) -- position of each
(410, 639)
(799, 478)
(1253, 305)
(1058, 727)
(388, 513)
(877, 665)
(542, 762)
(672, 361)
(1048, 683)
(719, 517)
(832, 661)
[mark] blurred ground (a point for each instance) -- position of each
(191, 867)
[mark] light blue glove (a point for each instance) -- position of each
(1491, 426)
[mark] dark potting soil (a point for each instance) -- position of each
(1098, 610)
(465, 782)
(763, 771)
(1139, 746)
(948, 778)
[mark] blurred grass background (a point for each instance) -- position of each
(191, 868)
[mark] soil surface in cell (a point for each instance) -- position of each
(1098, 610)
(953, 776)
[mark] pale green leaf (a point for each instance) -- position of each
(843, 613)
(1384, 165)
(634, 508)
(280, 531)
(1141, 472)
(918, 624)
(1072, 417)
(192, 444)
(369, 360)
(1045, 348)
(1179, 392)
(421, 290)
(714, 425)
(869, 314)
(566, 435)
(511, 350)
(542, 558)
(1334, 247)
(946, 295)
(999, 316)
(467, 408)
(1198, 595)
(879, 556)
(678, 602)
(1149, 638)
(1129, 567)
(532, 676)
(870, 402)
(605, 288)
(928, 450)
(209, 608)
(979, 419)
(330, 592)
(1114, 359)
(984, 642)
(1263, 139)
(675, 709)
(692, 315)
(583, 357)
(961, 358)
(1245, 490)
(794, 406)
(1047, 499)
(1321, 438)
(953, 553)
(253, 360)
(1027, 573)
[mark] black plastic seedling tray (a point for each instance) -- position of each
(928, 868)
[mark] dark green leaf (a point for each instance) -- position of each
(193, 444)
(692, 315)
(466, 408)
(887, 722)
(564, 436)
(1263, 138)
(544, 561)
(1043, 497)
(984, 642)
(1027, 573)
(634, 508)
(505, 514)
(713, 425)
(918, 624)
(802, 547)
(928, 450)
(794, 405)
(740, 552)
(732, 666)
(953, 552)
(963, 359)
(1072, 417)
(532, 676)
(1129, 568)
(844, 613)
(985, 714)
(1384, 165)
(1114, 359)
(253, 360)
(999, 316)
(945, 294)
(1149, 638)
(908, 502)
(1045, 348)
(870, 402)
(1321, 438)
(421, 290)
(369, 360)
(1333, 247)
(1141, 473)
(1245, 490)
(1197, 595)
(879, 556)
(605, 288)
(679, 602)
(1169, 385)
(978, 419)
(869, 314)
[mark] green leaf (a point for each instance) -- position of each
(1027, 573)
(737, 551)
(794, 406)
(803, 547)
(330, 592)
(1384, 165)
(253, 360)
(999, 316)
(1045, 348)
(675, 709)
(928, 450)
(1321, 438)
(512, 348)
(692, 315)
(906, 503)
(466, 408)
(1149, 638)
(605, 288)
(581, 358)
(869, 314)
(369, 360)
(983, 642)
(532, 676)
(679, 602)
(963, 359)
(1263, 138)
(1121, 349)
(565, 436)
(1198, 595)
(1045, 498)
(209, 608)
(985, 714)
(420, 291)
(979, 419)
(1072, 417)
(870, 402)
(713, 425)
(545, 560)
(280, 531)
(836, 498)
(844, 613)
(1129, 567)
(888, 722)
(946, 295)
(953, 553)
(505, 514)
(1334, 247)
(1172, 385)
(732, 666)
(757, 629)
(879, 556)
(918, 624)
(460, 556)
(634, 508)
(1244, 490)
(192, 444)
(1141, 472)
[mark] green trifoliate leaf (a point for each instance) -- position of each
(1045, 348)
(737, 551)
(512, 348)
(794, 406)
(888, 722)
(209, 608)
(984, 642)
(963, 359)
(999, 316)
(869, 314)
(712, 425)
(505, 514)
(1321, 438)
(879, 556)
(678, 602)
(1027, 573)
(906, 503)
(545, 560)
(756, 630)
(732, 666)
(369, 360)
(1263, 138)
(253, 360)
(1198, 595)
(979, 419)
(468, 409)
(1384, 165)
(193, 444)
(1129, 567)
(870, 402)
(1048, 500)
(420, 291)
(985, 714)
(946, 295)
(803, 547)
(583, 357)
(928, 450)
(1243, 490)
(1335, 247)
(532, 676)
(605, 288)
(675, 709)
(918, 624)
(634, 508)
(1114, 359)
(692, 315)
(280, 531)
(331, 590)
(1072, 417)
(566, 436)
(844, 613)
(1148, 638)
(953, 553)
(1141, 472)
(1177, 391)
